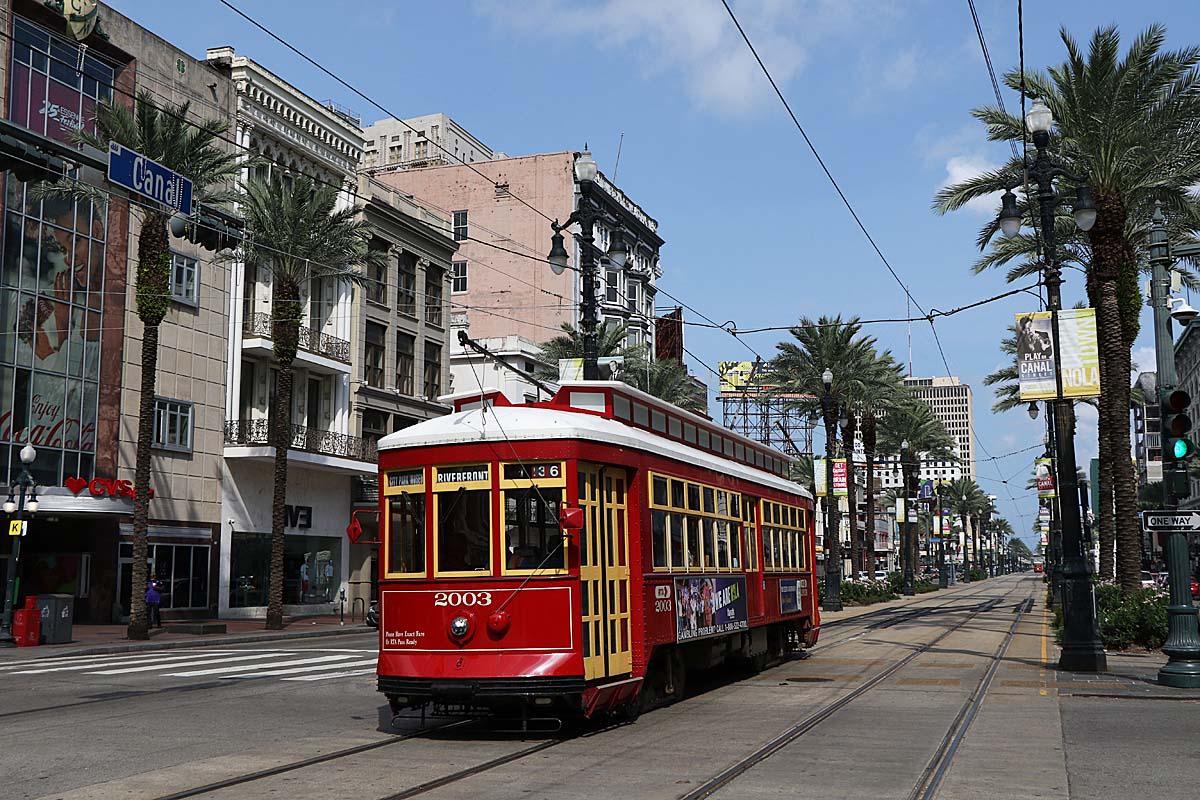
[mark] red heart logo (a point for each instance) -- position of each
(75, 485)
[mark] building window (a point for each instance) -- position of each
(406, 284)
(460, 225)
(374, 425)
(405, 349)
(185, 274)
(376, 286)
(610, 283)
(459, 282)
(433, 296)
(373, 366)
(172, 425)
(631, 296)
(433, 370)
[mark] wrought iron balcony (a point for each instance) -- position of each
(255, 433)
(365, 490)
(322, 344)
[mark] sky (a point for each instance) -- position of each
(755, 233)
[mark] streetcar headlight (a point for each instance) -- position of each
(459, 626)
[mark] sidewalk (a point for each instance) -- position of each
(91, 640)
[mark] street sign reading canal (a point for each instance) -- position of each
(148, 178)
(1171, 520)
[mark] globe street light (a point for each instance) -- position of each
(590, 211)
(26, 506)
(1082, 650)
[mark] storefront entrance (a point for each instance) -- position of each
(182, 570)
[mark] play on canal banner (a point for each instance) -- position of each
(1079, 354)
(709, 606)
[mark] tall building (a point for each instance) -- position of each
(501, 211)
(951, 401)
(416, 142)
(1147, 445)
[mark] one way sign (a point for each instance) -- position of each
(1171, 520)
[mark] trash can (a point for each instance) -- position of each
(58, 612)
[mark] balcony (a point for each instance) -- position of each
(338, 452)
(318, 351)
(365, 491)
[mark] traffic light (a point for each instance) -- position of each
(27, 162)
(209, 228)
(1177, 446)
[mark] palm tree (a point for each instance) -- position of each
(166, 135)
(1130, 126)
(912, 421)
(296, 233)
(879, 391)
(612, 340)
(1006, 380)
(798, 368)
(964, 496)
(667, 379)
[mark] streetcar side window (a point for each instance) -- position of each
(532, 531)
(406, 534)
(464, 531)
(658, 532)
(677, 560)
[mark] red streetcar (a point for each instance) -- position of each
(579, 555)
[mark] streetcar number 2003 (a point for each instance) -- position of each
(462, 598)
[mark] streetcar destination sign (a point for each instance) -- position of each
(1171, 521)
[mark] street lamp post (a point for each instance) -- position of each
(587, 214)
(943, 578)
(832, 600)
(908, 535)
(1081, 647)
(19, 509)
(1183, 638)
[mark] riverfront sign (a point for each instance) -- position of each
(1171, 520)
(148, 178)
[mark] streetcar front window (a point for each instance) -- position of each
(464, 531)
(532, 531)
(406, 533)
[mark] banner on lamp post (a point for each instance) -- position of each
(1045, 477)
(1079, 354)
(839, 477)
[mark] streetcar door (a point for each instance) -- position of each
(604, 571)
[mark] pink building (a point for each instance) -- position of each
(502, 285)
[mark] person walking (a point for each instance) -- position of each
(153, 603)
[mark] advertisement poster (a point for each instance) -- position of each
(839, 476)
(1079, 354)
(709, 606)
(1045, 477)
(791, 590)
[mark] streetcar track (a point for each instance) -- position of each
(469, 772)
(250, 777)
(939, 765)
(770, 748)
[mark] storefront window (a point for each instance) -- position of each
(181, 569)
(311, 569)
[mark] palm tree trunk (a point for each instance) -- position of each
(153, 300)
(966, 545)
(285, 334)
(855, 536)
(1104, 500)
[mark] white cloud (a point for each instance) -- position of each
(961, 167)
(697, 40)
(1144, 360)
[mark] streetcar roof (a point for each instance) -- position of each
(502, 423)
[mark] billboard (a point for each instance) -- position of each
(736, 376)
(710, 606)
(839, 476)
(1079, 355)
(1045, 477)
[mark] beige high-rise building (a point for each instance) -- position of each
(952, 403)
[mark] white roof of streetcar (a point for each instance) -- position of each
(501, 423)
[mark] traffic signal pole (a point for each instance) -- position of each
(1183, 638)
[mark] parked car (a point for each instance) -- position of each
(881, 575)
(372, 619)
(1164, 581)
(1149, 580)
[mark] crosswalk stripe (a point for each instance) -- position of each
(328, 675)
(271, 671)
(36, 663)
(247, 667)
(102, 662)
(160, 667)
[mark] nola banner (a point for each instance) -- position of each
(839, 476)
(1079, 356)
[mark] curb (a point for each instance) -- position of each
(248, 638)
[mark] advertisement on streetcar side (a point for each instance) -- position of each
(791, 594)
(709, 606)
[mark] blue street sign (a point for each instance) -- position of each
(148, 178)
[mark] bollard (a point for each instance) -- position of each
(342, 602)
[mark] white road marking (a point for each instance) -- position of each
(108, 661)
(272, 672)
(183, 664)
(37, 663)
(247, 667)
(328, 675)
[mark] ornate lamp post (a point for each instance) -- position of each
(832, 600)
(587, 214)
(19, 509)
(1081, 647)
(943, 578)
